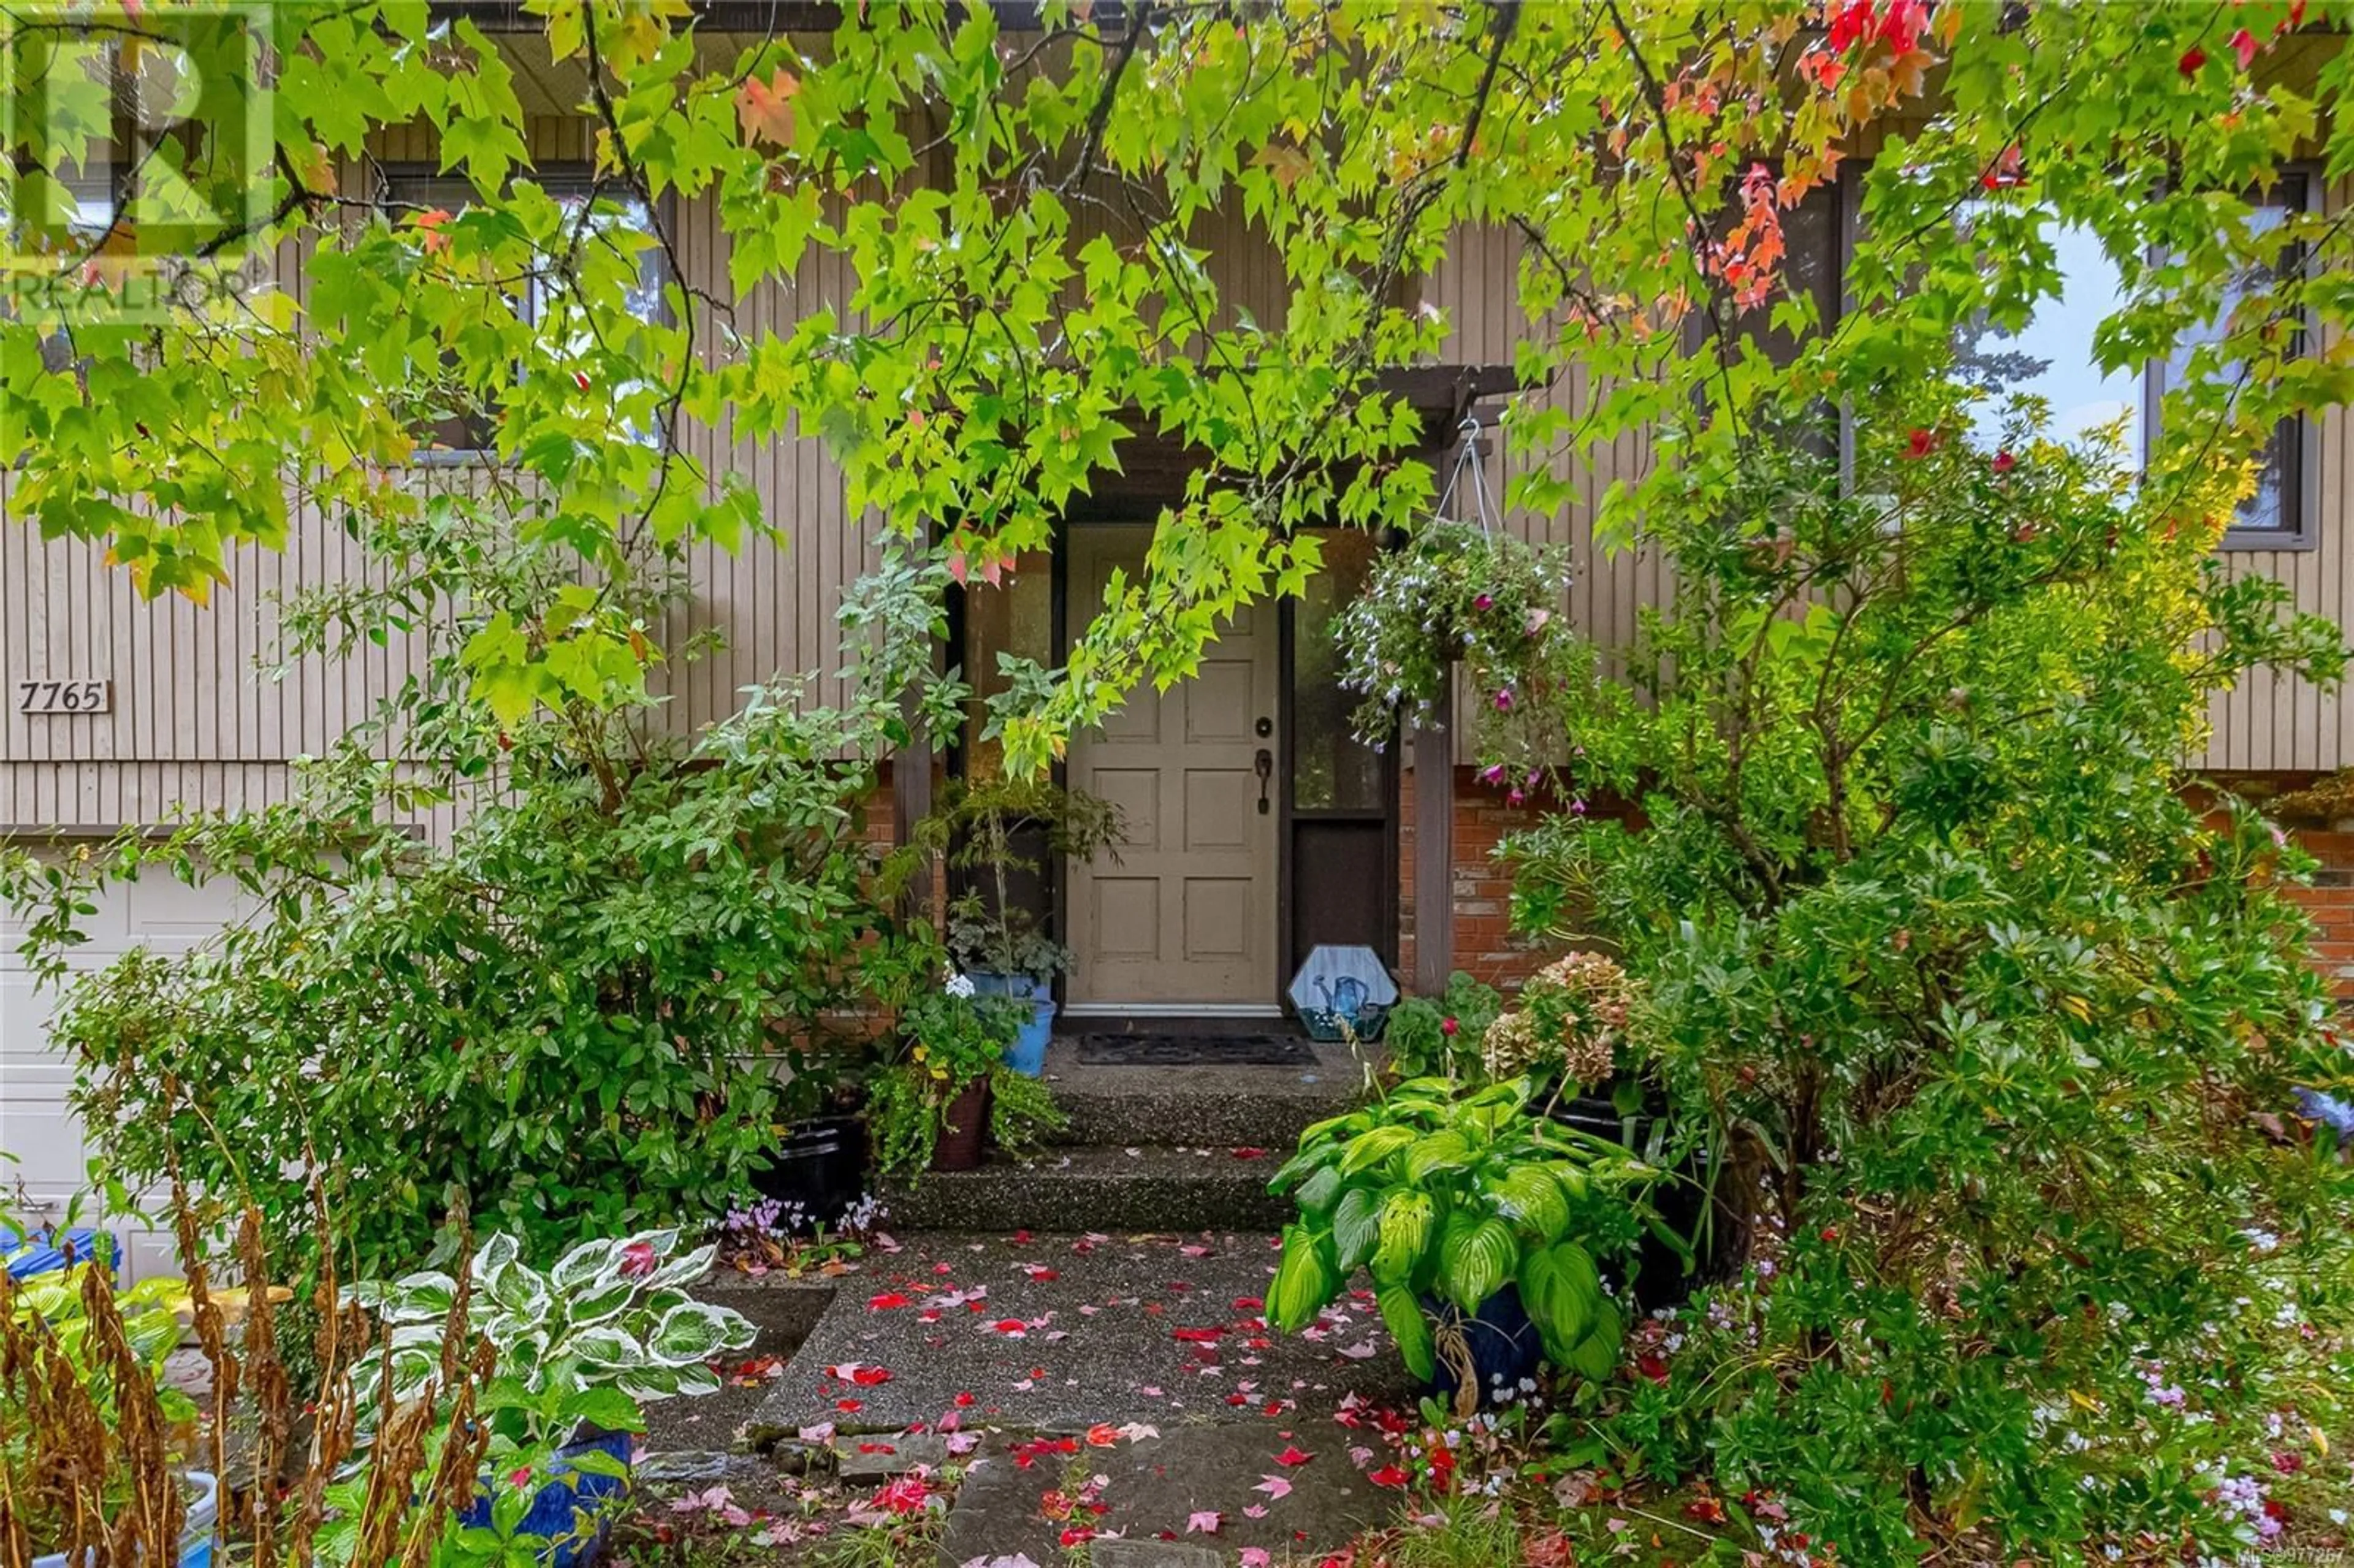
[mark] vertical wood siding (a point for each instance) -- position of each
(195, 722)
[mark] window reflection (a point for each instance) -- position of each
(2051, 356)
(1332, 770)
(1016, 617)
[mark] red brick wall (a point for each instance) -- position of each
(1479, 901)
(2330, 902)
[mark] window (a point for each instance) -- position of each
(465, 432)
(2285, 511)
(2051, 355)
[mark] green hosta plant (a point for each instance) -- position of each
(1452, 1195)
(608, 1326)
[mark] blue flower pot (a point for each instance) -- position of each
(52, 1251)
(1503, 1343)
(573, 1512)
(1027, 1054)
(199, 1536)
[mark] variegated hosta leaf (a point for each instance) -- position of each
(585, 1264)
(649, 1381)
(600, 1301)
(605, 1345)
(695, 1380)
(519, 1288)
(420, 1297)
(683, 1269)
(494, 1256)
(662, 1242)
(694, 1331)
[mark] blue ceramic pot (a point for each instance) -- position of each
(574, 1511)
(1503, 1343)
(1027, 1054)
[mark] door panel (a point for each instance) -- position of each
(1185, 916)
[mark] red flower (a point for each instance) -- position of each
(1920, 444)
(2192, 58)
(580, 379)
(1449, 1027)
(1652, 1366)
(2003, 462)
(520, 1478)
(636, 1260)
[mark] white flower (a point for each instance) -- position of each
(958, 986)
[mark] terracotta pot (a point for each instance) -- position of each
(966, 1132)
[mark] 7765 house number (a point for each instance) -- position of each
(75, 697)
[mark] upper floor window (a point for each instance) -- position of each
(468, 427)
(2051, 356)
(2283, 511)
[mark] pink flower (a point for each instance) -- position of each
(2003, 462)
(1536, 621)
(1504, 700)
(521, 1477)
(636, 1260)
(1450, 1027)
(1516, 799)
(1484, 602)
(1492, 773)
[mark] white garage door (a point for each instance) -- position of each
(36, 1126)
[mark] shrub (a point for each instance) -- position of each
(1993, 1035)
(568, 1018)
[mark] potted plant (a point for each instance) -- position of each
(1001, 838)
(1440, 1036)
(950, 1091)
(1480, 1223)
(578, 1349)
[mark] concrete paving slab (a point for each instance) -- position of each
(1181, 1499)
(1062, 1333)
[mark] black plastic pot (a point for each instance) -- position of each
(818, 1168)
(1661, 1278)
(1502, 1345)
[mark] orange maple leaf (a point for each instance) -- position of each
(765, 109)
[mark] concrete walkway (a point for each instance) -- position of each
(1102, 1390)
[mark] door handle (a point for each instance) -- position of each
(1264, 766)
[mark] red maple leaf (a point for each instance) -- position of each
(886, 1301)
(1292, 1456)
(1387, 1476)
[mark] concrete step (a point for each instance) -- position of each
(1218, 1107)
(1116, 1190)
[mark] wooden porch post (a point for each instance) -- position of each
(911, 801)
(1434, 848)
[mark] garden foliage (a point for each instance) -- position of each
(1988, 1025)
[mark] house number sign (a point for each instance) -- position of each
(72, 696)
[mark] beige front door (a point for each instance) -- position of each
(1183, 921)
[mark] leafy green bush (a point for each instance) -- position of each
(1440, 1036)
(1992, 1032)
(571, 1017)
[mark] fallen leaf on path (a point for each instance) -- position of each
(1204, 1520)
(1274, 1486)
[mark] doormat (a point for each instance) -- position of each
(1195, 1051)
